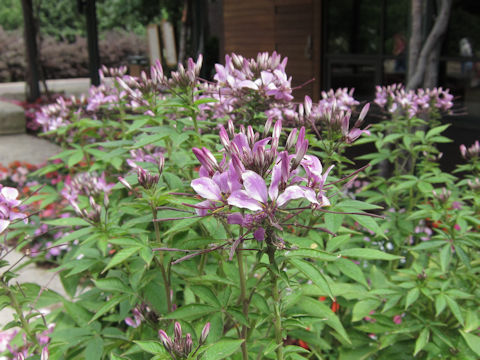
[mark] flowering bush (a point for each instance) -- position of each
(228, 215)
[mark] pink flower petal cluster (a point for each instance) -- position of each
(397, 100)
(256, 176)
(9, 210)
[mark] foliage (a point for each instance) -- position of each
(61, 60)
(250, 241)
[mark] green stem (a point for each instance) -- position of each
(244, 301)
(277, 320)
(159, 262)
(18, 310)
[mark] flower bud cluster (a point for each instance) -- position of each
(181, 346)
(146, 179)
(241, 82)
(471, 152)
(397, 100)
(92, 186)
(333, 115)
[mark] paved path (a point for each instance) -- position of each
(16, 90)
(27, 148)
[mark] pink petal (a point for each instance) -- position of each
(290, 193)
(3, 225)
(243, 200)
(206, 188)
(235, 218)
(9, 193)
(259, 234)
(255, 186)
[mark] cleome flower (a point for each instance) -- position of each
(257, 179)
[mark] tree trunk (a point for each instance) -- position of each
(416, 77)
(30, 34)
(415, 43)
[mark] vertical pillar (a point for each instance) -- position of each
(92, 40)
(30, 35)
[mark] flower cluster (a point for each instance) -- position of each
(333, 117)
(256, 175)
(9, 207)
(471, 152)
(181, 347)
(396, 99)
(242, 81)
(90, 185)
(23, 352)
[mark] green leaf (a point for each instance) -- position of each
(369, 223)
(222, 349)
(369, 254)
(436, 130)
(121, 256)
(352, 270)
(152, 347)
(412, 296)
(75, 158)
(440, 303)
(313, 274)
(452, 304)
(94, 349)
(445, 257)
(73, 221)
(313, 254)
(472, 341)
(421, 341)
(363, 308)
(319, 310)
(206, 294)
(112, 284)
(191, 312)
(336, 242)
(109, 305)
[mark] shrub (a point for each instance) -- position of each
(251, 241)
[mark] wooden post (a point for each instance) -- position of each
(92, 39)
(30, 35)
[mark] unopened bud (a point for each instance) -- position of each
(291, 139)
(205, 332)
(167, 342)
(188, 344)
(161, 164)
(45, 354)
(268, 125)
(224, 139)
(178, 331)
(124, 183)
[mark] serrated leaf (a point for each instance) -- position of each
(191, 312)
(109, 305)
(452, 304)
(421, 341)
(313, 254)
(472, 341)
(369, 254)
(313, 274)
(222, 349)
(363, 308)
(412, 296)
(206, 294)
(121, 256)
(112, 284)
(352, 270)
(73, 221)
(152, 347)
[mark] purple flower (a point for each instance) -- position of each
(9, 207)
